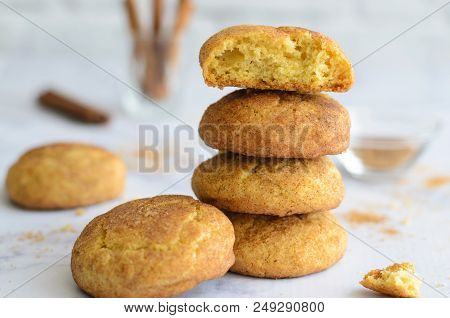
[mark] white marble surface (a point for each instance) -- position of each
(411, 73)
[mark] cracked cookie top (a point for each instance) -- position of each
(292, 246)
(154, 247)
(265, 123)
(272, 186)
(65, 175)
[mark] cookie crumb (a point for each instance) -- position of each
(390, 231)
(360, 217)
(80, 212)
(32, 236)
(440, 285)
(397, 280)
(68, 228)
(435, 182)
(406, 220)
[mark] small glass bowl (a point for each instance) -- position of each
(384, 144)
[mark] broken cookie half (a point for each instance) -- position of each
(397, 280)
(284, 58)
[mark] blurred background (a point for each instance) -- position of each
(412, 71)
(84, 48)
(94, 62)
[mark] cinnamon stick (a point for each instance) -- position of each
(155, 76)
(135, 27)
(72, 108)
(133, 19)
(157, 17)
(184, 11)
(154, 83)
(155, 51)
(183, 15)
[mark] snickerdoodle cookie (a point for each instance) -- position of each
(65, 175)
(155, 247)
(296, 245)
(284, 58)
(266, 123)
(268, 185)
(397, 280)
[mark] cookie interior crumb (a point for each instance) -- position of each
(68, 228)
(32, 236)
(361, 217)
(80, 212)
(406, 220)
(397, 280)
(303, 59)
(435, 182)
(390, 231)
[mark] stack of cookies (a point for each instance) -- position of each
(272, 176)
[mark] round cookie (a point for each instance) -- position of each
(283, 58)
(65, 175)
(292, 246)
(154, 247)
(276, 124)
(268, 185)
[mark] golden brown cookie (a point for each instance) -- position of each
(266, 123)
(155, 247)
(65, 175)
(397, 280)
(268, 185)
(284, 58)
(296, 245)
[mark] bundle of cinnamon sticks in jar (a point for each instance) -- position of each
(155, 50)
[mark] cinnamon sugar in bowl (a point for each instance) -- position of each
(384, 143)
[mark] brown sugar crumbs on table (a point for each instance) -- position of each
(356, 217)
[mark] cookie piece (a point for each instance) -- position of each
(268, 185)
(292, 246)
(65, 175)
(154, 247)
(276, 124)
(397, 280)
(284, 58)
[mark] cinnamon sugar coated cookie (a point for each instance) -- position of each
(276, 124)
(268, 185)
(292, 246)
(397, 280)
(155, 247)
(283, 58)
(65, 175)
